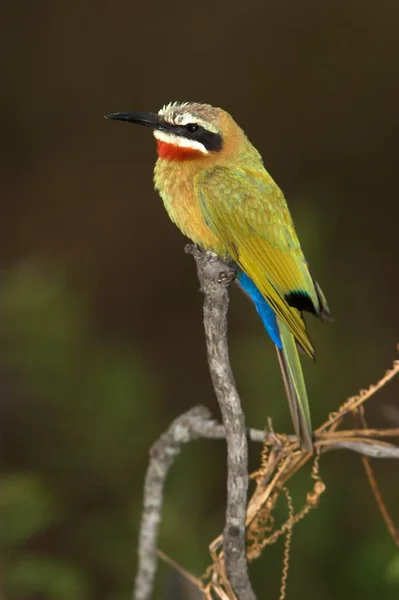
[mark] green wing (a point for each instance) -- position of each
(247, 210)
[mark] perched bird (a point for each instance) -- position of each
(216, 189)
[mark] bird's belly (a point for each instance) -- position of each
(182, 206)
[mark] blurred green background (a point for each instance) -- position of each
(101, 341)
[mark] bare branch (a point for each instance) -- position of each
(352, 433)
(189, 426)
(195, 424)
(230, 575)
(215, 277)
(375, 450)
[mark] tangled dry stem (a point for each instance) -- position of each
(281, 459)
(249, 527)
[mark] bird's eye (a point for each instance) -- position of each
(192, 127)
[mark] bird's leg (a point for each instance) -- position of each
(229, 272)
(227, 277)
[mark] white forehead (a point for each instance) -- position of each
(170, 112)
(178, 113)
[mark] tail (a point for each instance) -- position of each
(294, 383)
(288, 357)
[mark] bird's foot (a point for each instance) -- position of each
(227, 277)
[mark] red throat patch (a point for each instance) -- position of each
(173, 152)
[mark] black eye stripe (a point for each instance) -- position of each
(192, 127)
(213, 142)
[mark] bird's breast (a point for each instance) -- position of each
(174, 181)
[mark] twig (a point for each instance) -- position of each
(194, 424)
(375, 450)
(190, 426)
(197, 583)
(215, 277)
(355, 401)
(352, 433)
(230, 575)
(375, 488)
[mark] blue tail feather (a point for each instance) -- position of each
(265, 312)
(289, 362)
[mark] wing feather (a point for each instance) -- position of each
(247, 210)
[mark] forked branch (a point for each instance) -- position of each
(281, 458)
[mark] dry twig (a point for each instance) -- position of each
(281, 458)
(191, 425)
(215, 277)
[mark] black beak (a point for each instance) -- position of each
(142, 118)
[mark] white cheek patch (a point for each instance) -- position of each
(177, 140)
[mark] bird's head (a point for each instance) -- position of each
(186, 130)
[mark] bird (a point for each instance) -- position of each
(217, 191)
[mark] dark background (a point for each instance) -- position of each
(101, 341)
